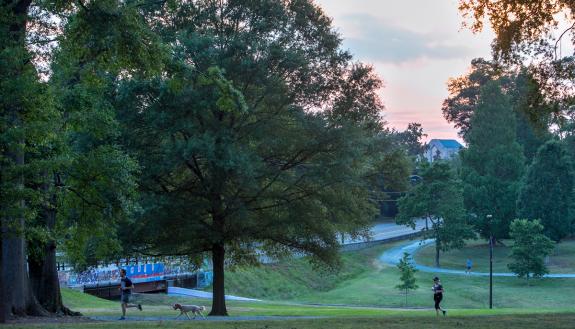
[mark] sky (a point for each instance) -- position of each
(415, 47)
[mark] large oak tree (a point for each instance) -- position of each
(261, 135)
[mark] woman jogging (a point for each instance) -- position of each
(438, 295)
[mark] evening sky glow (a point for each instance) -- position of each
(415, 47)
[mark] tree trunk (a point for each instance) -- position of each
(43, 268)
(14, 272)
(437, 247)
(2, 299)
(219, 293)
(18, 300)
(405, 297)
(45, 283)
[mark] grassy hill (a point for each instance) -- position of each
(363, 280)
(294, 279)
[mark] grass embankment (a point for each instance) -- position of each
(293, 279)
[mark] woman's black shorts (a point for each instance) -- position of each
(437, 298)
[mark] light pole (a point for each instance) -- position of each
(489, 217)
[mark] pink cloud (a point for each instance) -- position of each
(415, 75)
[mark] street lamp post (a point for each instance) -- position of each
(489, 217)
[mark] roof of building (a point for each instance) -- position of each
(447, 143)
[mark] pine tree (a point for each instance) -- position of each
(407, 277)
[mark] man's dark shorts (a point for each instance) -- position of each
(125, 298)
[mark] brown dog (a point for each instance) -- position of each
(184, 309)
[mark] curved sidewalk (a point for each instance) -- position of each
(393, 255)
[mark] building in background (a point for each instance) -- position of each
(441, 149)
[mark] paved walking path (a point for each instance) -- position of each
(393, 255)
(132, 318)
(177, 291)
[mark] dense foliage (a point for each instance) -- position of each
(529, 248)
(241, 127)
(260, 136)
(547, 191)
(492, 165)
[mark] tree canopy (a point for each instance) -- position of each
(260, 135)
(531, 30)
(532, 110)
(547, 191)
(521, 27)
(65, 179)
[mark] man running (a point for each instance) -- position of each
(468, 265)
(126, 287)
(438, 295)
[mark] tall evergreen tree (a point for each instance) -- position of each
(493, 163)
(547, 191)
(438, 198)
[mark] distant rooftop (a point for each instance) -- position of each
(447, 143)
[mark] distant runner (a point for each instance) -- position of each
(438, 295)
(468, 265)
(126, 287)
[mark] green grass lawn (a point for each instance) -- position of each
(361, 295)
(531, 321)
(160, 305)
(562, 259)
(336, 317)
